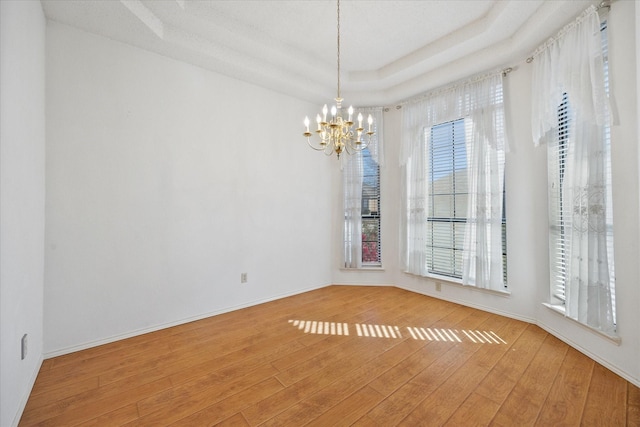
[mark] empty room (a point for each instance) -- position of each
(319, 212)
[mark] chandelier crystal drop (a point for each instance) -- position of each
(335, 133)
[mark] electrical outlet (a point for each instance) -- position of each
(23, 347)
(438, 286)
(243, 278)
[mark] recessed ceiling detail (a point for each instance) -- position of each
(391, 49)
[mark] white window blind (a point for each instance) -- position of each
(448, 195)
(559, 208)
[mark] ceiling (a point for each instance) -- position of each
(390, 50)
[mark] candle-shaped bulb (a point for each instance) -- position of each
(334, 110)
(306, 123)
(318, 120)
(350, 111)
(324, 112)
(359, 120)
(370, 121)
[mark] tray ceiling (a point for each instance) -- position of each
(391, 50)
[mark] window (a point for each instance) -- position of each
(558, 207)
(582, 274)
(448, 194)
(361, 200)
(370, 210)
(453, 155)
(447, 205)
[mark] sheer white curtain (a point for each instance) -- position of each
(482, 263)
(572, 63)
(376, 147)
(352, 178)
(479, 100)
(352, 169)
(415, 218)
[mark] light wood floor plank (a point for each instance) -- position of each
(566, 400)
(117, 417)
(179, 402)
(403, 401)
(503, 377)
(443, 402)
(476, 410)
(422, 361)
(609, 411)
(525, 401)
(633, 405)
(330, 396)
(232, 405)
(349, 410)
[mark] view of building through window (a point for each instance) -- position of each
(370, 210)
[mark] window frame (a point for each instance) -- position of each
(452, 274)
(367, 214)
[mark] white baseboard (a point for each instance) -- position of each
(142, 331)
(25, 397)
(467, 304)
(591, 355)
(364, 284)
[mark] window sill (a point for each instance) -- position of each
(452, 281)
(560, 310)
(364, 268)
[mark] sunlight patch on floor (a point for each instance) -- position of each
(322, 328)
(388, 331)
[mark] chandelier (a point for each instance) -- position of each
(335, 133)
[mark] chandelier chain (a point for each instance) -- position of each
(338, 48)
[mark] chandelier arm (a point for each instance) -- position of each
(356, 148)
(315, 148)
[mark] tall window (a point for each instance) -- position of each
(559, 208)
(448, 202)
(575, 125)
(562, 206)
(448, 194)
(361, 200)
(370, 210)
(453, 155)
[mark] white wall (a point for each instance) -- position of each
(164, 183)
(527, 224)
(22, 193)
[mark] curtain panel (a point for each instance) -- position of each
(571, 65)
(352, 181)
(479, 100)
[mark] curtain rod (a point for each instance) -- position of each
(474, 78)
(605, 4)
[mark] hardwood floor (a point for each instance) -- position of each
(417, 361)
